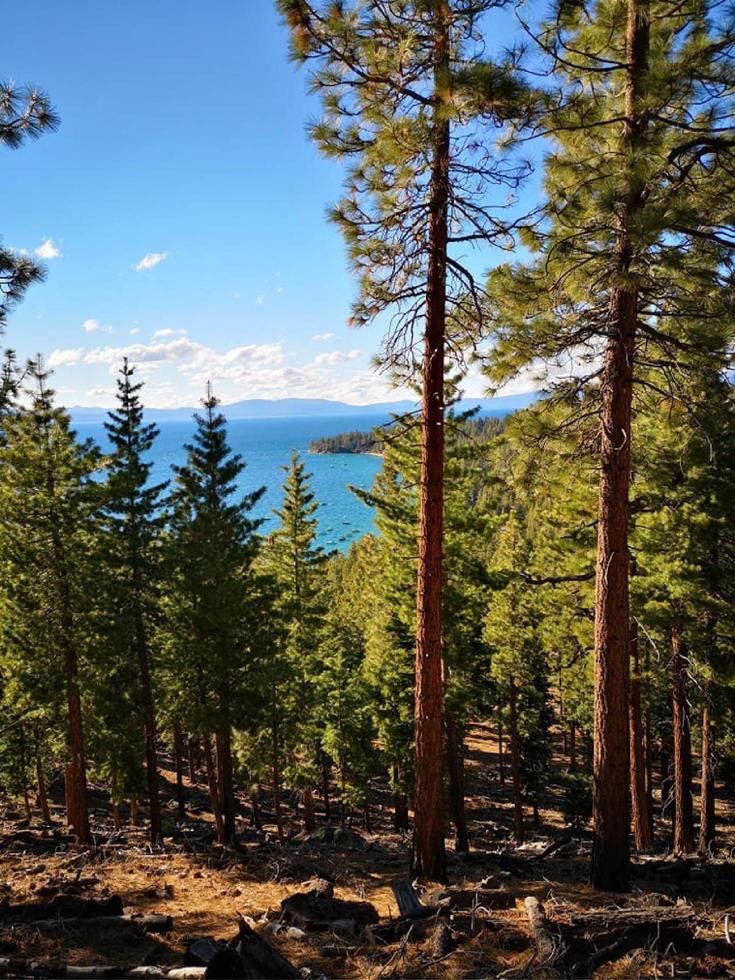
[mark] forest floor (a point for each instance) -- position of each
(673, 923)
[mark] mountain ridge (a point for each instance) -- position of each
(262, 408)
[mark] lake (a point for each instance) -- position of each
(266, 446)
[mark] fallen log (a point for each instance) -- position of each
(64, 906)
(148, 923)
(552, 848)
(407, 898)
(678, 937)
(315, 912)
(547, 940)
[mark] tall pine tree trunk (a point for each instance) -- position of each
(638, 796)
(213, 790)
(611, 845)
(648, 744)
(191, 758)
(707, 797)
(149, 720)
(428, 847)
(77, 773)
(225, 783)
(515, 761)
(684, 812)
(455, 768)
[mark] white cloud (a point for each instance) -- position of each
(48, 249)
(134, 330)
(64, 357)
(168, 332)
(335, 357)
(322, 336)
(150, 260)
(101, 392)
(260, 300)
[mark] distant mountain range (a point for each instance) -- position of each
(281, 408)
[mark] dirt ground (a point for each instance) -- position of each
(205, 889)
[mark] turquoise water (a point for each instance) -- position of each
(266, 446)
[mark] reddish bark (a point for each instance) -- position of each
(515, 758)
(684, 812)
(225, 784)
(611, 845)
(428, 847)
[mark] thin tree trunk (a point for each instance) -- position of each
(638, 798)
(178, 756)
(428, 845)
(134, 813)
(707, 798)
(27, 803)
(116, 821)
(213, 789)
(191, 749)
(501, 766)
(276, 770)
(326, 766)
(149, 719)
(77, 776)
(647, 737)
(41, 780)
(609, 868)
(255, 803)
(309, 816)
(400, 803)
(572, 746)
(684, 813)
(226, 784)
(455, 768)
(515, 757)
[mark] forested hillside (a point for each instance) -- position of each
(503, 725)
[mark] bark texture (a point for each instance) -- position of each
(611, 845)
(428, 846)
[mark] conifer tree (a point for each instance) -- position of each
(50, 503)
(25, 114)
(637, 188)
(403, 88)
(212, 546)
(296, 563)
(133, 518)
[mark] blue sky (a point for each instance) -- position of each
(180, 207)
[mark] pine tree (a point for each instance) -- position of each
(50, 503)
(637, 184)
(403, 92)
(25, 114)
(133, 518)
(212, 547)
(296, 564)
